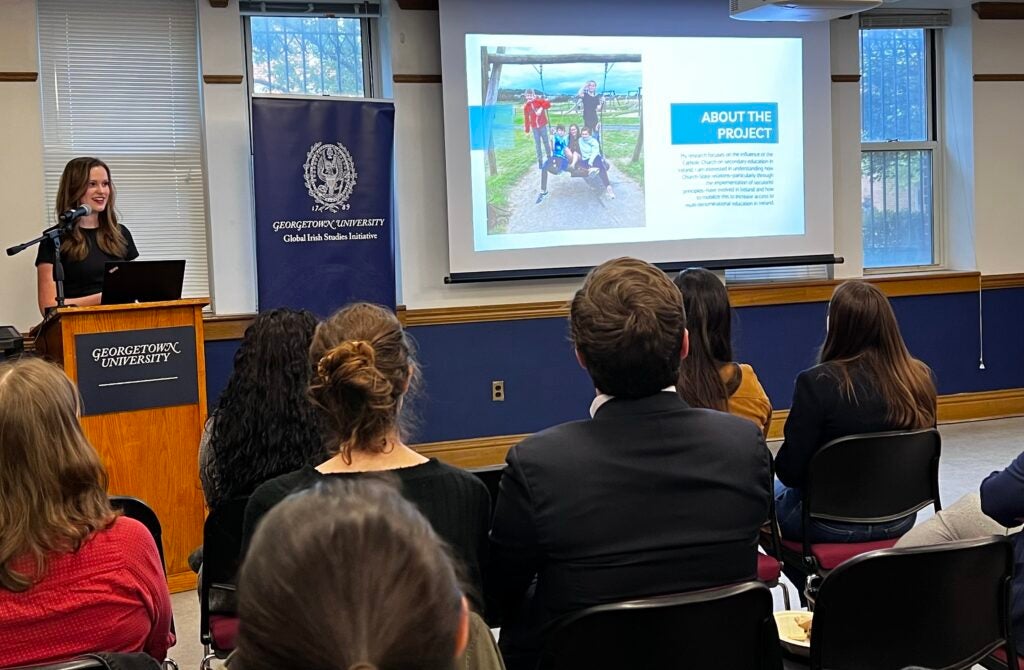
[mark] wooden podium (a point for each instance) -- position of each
(141, 370)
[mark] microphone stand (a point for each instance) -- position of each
(52, 234)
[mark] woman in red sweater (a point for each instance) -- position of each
(74, 576)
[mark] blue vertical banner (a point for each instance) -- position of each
(322, 177)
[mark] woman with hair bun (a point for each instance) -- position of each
(349, 575)
(363, 366)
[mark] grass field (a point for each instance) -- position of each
(516, 160)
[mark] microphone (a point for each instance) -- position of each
(72, 214)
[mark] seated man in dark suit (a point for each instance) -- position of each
(648, 497)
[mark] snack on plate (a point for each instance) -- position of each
(803, 622)
(796, 626)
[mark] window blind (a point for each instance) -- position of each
(120, 81)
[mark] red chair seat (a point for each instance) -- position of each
(831, 554)
(1000, 655)
(768, 569)
(223, 631)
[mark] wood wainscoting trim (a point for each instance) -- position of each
(1014, 280)
(222, 78)
(481, 452)
(475, 452)
(999, 77)
(1006, 11)
(845, 78)
(229, 327)
(232, 327)
(416, 78)
(180, 582)
(19, 76)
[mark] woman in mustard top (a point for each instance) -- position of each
(708, 377)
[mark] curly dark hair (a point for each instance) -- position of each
(264, 424)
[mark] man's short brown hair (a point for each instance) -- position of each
(627, 324)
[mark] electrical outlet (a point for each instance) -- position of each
(498, 391)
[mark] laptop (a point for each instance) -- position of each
(126, 282)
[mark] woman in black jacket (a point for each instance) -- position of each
(866, 382)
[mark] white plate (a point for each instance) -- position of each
(786, 623)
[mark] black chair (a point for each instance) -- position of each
(222, 556)
(726, 627)
(769, 563)
(869, 478)
(945, 606)
(491, 477)
(137, 661)
(133, 508)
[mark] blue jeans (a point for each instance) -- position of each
(540, 138)
(789, 510)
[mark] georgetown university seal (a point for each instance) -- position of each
(330, 176)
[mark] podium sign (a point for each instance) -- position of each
(127, 370)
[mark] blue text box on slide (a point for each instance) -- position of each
(725, 123)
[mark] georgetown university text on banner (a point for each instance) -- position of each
(322, 174)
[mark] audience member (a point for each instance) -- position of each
(348, 576)
(364, 366)
(708, 377)
(866, 382)
(649, 496)
(264, 424)
(75, 577)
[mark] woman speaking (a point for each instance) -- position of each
(94, 239)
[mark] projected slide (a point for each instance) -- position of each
(602, 140)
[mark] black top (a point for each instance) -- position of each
(85, 277)
(650, 497)
(590, 105)
(455, 503)
(822, 412)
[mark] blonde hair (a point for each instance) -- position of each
(54, 486)
(363, 365)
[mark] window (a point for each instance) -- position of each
(898, 148)
(120, 81)
(292, 55)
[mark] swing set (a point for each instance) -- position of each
(491, 66)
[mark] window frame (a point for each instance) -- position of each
(369, 27)
(935, 129)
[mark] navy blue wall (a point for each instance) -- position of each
(545, 386)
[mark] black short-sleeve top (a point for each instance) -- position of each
(85, 277)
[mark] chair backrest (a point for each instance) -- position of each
(491, 477)
(726, 627)
(945, 606)
(133, 508)
(100, 661)
(85, 663)
(874, 477)
(222, 556)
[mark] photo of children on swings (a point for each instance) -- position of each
(576, 160)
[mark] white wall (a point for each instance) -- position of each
(21, 163)
(979, 135)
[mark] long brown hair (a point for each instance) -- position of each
(347, 574)
(863, 336)
(54, 486)
(363, 365)
(73, 183)
(709, 320)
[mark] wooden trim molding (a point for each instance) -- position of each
(230, 327)
(846, 79)
(528, 310)
(222, 78)
(218, 4)
(416, 78)
(19, 76)
(999, 77)
(418, 5)
(180, 582)
(1005, 11)
(1015, 280)
(476, 452)
(481, 452)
